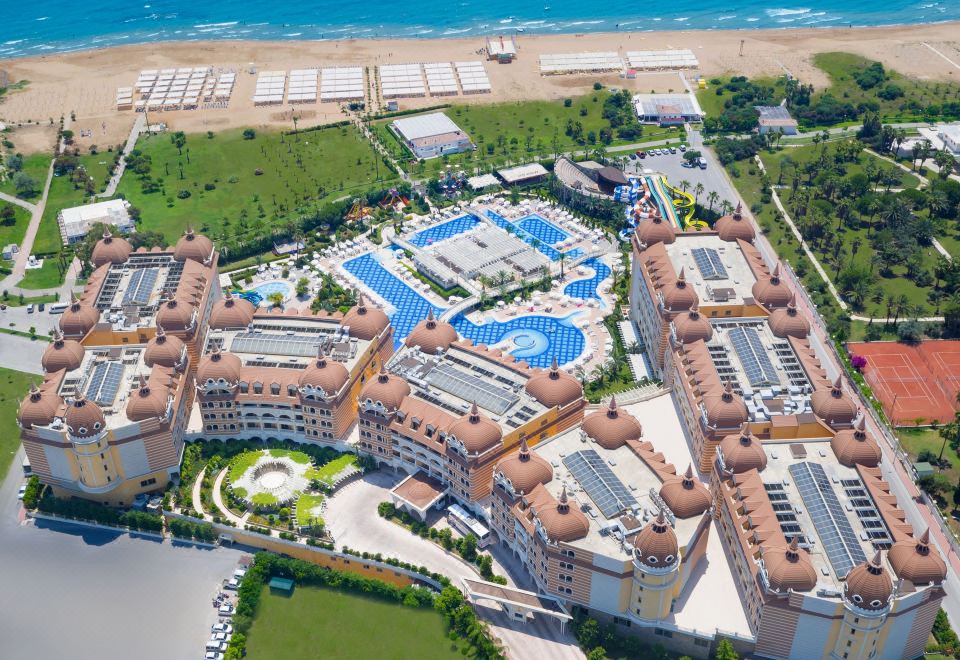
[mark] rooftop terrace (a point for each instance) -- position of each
(717, 269)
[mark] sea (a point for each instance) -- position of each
(52, 26)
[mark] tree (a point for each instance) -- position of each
(725, 651)
(179, 139)
(697, 191)
(588, 634)
(303, 285)
(249, 134)
(691, 155)
(598, 653)
(24, 184)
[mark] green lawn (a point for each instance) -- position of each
(320, 623)
(305, 506)
(226, 195)
(47, 276)
(36, 166)
(809, 154)
(713, 104)
(14, 232)
(243, 462)
(328, 473)
(14, 385)
(64, 193)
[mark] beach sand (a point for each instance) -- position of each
(85, 82)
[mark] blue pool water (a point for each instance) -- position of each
(527, 236)
(543, 337)
(544, 231)
(588, 288)
(269, 288)
(446, 230)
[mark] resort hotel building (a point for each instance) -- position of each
(431, 135)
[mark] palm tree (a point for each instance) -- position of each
(684, 185)
(712, 198)
(697, 191)
(945, 162)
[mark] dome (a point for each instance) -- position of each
(175, 315)
(218, 365)
(386, 389)
(789, 568)
(833, 406)
(725, 410)
(62, 354)
(561, 523)
(39, 408)
(771, 292)
(611, 428)
(327, 375)
(869, 585)
(476, 431)
(691, 327)
(656, 544)
(788, 322)
(146, 403)
(855, 447)
(678, 296)
(525, 469)
(110, 250)
(431, 335)
(193, 246)
(79, 318)
(231, 312)
(553, 387)
(366, 322)
(743, 451)
(654, 230)
(84, 418)
(916, 561)
(685, 495)
(733, 227)
(165, 350)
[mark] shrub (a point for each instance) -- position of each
(249, 134)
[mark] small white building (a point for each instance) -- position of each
(75, 222)
(667, 109)
(432, 135)
(950, 134)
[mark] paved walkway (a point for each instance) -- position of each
(19, 202)
(26, 246)
(195, 494)
(139, 126)
(220, 504)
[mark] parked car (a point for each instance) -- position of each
(239, 573)
(216, 646)
(683, 147)
(221, 627)
(22, 492)
(41, 307)
(633, 156)
(225, 610)
(30, 308)
(642, 154)
(673, 150)
(213, 655)
(702, 163)
(233, 584)
(220, 637)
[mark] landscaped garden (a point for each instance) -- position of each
(269, 479)
(76, 179)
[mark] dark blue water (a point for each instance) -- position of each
(59, 25)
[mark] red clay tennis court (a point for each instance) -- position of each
(914, 383)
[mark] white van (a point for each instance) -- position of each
(213, 645)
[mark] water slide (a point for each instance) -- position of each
(685, 203)
(250, 295)
(663, 199)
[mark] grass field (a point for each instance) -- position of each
(808, 154)
(13, 387)
(305, 506)
(226, 195)
(328, 472)
(36, 166)
(47, 276)
(713, 104)
(65, 194)
(322, 623)
(13, 233)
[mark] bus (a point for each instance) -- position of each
(463, 522)
(57, 308)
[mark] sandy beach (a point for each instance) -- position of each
(85, 82)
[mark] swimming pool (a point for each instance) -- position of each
(267, 289)
(588, 288)
(445, 230)
(516, 228)
(546, 337)
(543, 230)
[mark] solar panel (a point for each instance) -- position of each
(709, 264)
(756, 363)
(104, 383)
(469, 387)
(140, 286)
(263, 344)
(837, 537)
(132, 286)
(601, 484)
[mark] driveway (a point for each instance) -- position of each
(22, 353)
(17, 318)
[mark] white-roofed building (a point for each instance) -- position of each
(432, 135)
(667, 109)
(950, 134)
(76, 222)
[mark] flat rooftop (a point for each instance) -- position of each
(650, 104)
(717, 269)
(132, 291)
(486, 250)
(425, 126)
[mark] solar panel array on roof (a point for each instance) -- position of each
(709, 264)
(104, 383)
(262, 344)
(469, 387)
(837, 537)
(756, 363)
(140, 286)
(600, 483)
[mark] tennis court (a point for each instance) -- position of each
(916, 384)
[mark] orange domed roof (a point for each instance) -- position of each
(771, 292)
(869, 585)
(219, 365)
(916, 561)
(678, 296)
(685, 495)
(692, 326)
(654, 230)
(611, 428)
(431, 335)
(833, 406)
(365, 321)
(84, 418)
(725, 409)
(524, 470)
(386, 389)
(788, 322)
(146, 403)
(561, 522)
(656, 544)
(165, 350)
(553, 387)
(733, 227)
(476, 431)
(329, 376)
(110, 250)
(231, 312)
(175, 315)
(39, 408)
(855, 447)
(743, 451)
(789, 568)
(193, 246)
(79, 318)
(62, 354)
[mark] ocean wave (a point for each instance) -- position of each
(294, 34)
(216, 25)
(43, 18)
(682, 19)
(454, 31)
(13, 41)
(726, 18)
(773, 13)
(505, 21)
(576, 23)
